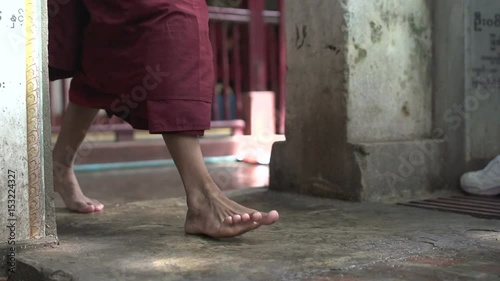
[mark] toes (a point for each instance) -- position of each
(270, 218)
(236, 218)
(245, 217)
(228, 220)
(82, 207)
(98, 206)
(256, 216)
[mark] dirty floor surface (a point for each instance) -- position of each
(315, 239)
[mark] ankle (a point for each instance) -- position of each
(62, 159)
(198, 198)
(61, 172)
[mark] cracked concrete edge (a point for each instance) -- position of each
(21, 247)
(3, 262)
(393, 172)
(29, 270)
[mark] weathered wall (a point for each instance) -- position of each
(359, 102)
(401, 93)
(389, 47)
(465, 115)
(481, 106)
(13, 132)
(316, 157)
(25, 138)
(389, 50)
(448, 85)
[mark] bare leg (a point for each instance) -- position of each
(210, 212)
(76, 121)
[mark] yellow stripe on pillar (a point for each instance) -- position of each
(33, 107)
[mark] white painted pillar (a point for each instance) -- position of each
(26, 199)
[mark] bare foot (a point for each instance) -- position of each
(66, 184)
(217, 216)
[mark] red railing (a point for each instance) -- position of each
(249, 55)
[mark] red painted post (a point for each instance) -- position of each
(213, 39)
(237, 70)
(282, 69)
(225, 71)
(272, 58)
(257, 46)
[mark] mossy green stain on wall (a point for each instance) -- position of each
(362, 53)
(414, 29)
(376, 32)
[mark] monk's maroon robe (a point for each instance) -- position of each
(146, 61)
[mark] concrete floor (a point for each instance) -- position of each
(315, 239)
